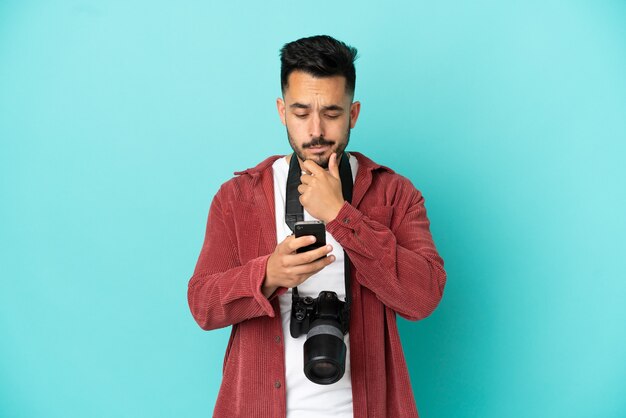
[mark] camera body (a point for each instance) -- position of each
(325, 321)
(306, 310)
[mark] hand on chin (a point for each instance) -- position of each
(320, 158)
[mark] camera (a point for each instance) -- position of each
(325, 321)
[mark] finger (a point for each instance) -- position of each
(306, 179)
(296, 243)
(287, 239)
(333, 167)
(310, 256)
(312, 167)
(312, 268)
(302, 188)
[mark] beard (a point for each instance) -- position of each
(320, 160)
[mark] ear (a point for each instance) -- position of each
(355, 109)
(280, 106)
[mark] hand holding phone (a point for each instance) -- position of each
(286, 269)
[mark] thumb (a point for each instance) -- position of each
(333, 168)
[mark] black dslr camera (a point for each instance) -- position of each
(325, 320)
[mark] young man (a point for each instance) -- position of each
(248, 266)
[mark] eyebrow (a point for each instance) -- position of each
(306, 106)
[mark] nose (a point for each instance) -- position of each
(316, 126)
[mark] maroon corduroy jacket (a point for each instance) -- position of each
(396, 269)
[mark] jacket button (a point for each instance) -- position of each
(346, 220)
(277, 384)
(277, 339)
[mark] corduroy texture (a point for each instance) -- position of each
(396, 269)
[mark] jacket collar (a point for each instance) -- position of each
(364, 176)
(259, 168)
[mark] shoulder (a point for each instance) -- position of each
(381, 172)
(386, 184)
(243, 183)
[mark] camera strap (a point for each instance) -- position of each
(294, 212)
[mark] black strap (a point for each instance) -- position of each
(294, 212)
(293, 208)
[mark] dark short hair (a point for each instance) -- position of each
(319, 56)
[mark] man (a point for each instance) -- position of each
(248, 265)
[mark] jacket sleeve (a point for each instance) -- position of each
(400, 263)
(221, 291)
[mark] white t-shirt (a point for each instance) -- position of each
(306, 399)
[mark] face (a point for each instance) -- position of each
(318, 114)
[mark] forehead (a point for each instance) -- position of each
(302, 86)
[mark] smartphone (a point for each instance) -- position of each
(315, 228)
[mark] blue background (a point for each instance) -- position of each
(120, 119)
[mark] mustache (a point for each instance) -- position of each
(317, 142)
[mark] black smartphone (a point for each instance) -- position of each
(315, 228)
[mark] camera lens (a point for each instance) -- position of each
(324, 353)
(324, 369)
